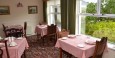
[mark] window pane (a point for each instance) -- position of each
(108, 7)
(52, 9)
(58, 22)
(51, 19)
(58, 9)
(98, 27)
(88, 6)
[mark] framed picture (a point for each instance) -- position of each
(4, 10)
(32, 10)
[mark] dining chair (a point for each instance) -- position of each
(99, 48)
(4, 30)
(63, 33)
(15, 32)
(19, 32)
(6, 48)
(25, 28)
(51, 33)
(8, 32)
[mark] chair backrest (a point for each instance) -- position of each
(51, 29)
(16, 32)
(100, 47)
(4, 28)
(63, 33)
(25, 28)
(1, 51)
(103, 39)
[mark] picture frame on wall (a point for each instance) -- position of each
(32, 10)
(4, 10)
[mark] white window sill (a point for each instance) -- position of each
(111, 46)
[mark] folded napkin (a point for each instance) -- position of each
(81, 45)
(90, 41)
(13, 44)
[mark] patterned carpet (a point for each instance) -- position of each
(37, 50)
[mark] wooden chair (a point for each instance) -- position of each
(4, 29)
(1, 51)
(63, 33)
(25, 28)
(14, 31)
(99, 48)
(51, 33)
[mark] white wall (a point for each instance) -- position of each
(20, 14)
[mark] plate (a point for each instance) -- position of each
(71, 36)
(19, 38)
(64, 38)
(92, 42)
(13, 44)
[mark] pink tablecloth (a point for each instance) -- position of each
(42, 29)
(71, 46)
(16, 51)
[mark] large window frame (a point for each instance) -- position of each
(54, 12)
(98, 14)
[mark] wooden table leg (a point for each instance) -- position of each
(60, 52)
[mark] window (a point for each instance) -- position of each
(54, 13)
(85, 3)
(97, 18)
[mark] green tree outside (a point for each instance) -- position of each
(101, 26)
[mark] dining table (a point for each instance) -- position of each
(42, 30)
(17, 50)
(80, 46)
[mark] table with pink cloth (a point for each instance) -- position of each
(18, 50)
(71, 46)
(42, 29)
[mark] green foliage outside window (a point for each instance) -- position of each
(101, 26)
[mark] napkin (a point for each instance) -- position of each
(13, 44)
(90, 41)
(81, 45)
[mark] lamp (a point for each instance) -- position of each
(19, 5)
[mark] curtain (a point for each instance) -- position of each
(63, 14)
(45, 11)
(68, 15)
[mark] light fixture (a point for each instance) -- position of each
(19, 5)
